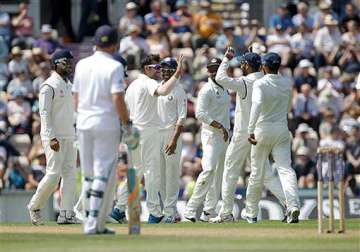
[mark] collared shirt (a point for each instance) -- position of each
(56, 108)
(96, 78)
(271, 100)
(327, 41)
(172, 108)
(141, 101)
(306, 105)
(213, 104)
(243, 86)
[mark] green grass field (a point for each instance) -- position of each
(184, 237)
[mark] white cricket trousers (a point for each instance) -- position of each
(235, 158)
(58, 164)
(208, 183)
(98, 157)
(277, 142)
(146, 159)
(169, 173)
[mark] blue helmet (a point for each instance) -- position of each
(253, 59)
(169, 62)
(271, 60)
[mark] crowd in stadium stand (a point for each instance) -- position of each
(320, 55)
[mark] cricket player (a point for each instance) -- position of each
(57, 136)
(212, 110)
(99, 100)
(172, 110)
(268, 133)
(142, 101)
(239, 148)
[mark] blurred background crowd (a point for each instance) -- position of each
(319, 42)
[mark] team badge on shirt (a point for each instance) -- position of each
(170, 98)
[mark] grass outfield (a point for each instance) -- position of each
(184, 237)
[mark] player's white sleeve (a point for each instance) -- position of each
(46, 97)
(256, 100)
(236, 84)
(202, 107)
(117, 80)
(152, 86)
(76, 81)
(181, 106)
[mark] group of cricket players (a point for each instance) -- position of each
(148, 117)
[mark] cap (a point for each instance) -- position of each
(180, 3)
(305, 63)
(228, 25)
(131, 6)
(330, 20)
(123, 61)
(60, 55)
(16, 50)
(37, 51)
(271, 60)
(303, 127)
(214, 62)
(46, 28)
(18, 93)
(253, 59)
(205, 3)
(105, 36)
(303, 151)
(323, 5)
(169, 62)
(133, 28)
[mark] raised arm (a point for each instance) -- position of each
(169, 85)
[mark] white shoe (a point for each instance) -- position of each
(206, 216)
(67, 217)
(35, 217)
(293, 217)
(247, 218)
(79, 215)
(222, 218)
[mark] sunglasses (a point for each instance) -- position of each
(155, 66)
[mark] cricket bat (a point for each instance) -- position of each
(134, 207)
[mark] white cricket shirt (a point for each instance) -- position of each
(96, 78)
(172, 108)
(141, 102)
(213, 104)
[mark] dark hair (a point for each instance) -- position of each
(149, 60)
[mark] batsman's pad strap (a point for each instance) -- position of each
(103, 179)
(89, 179)
(94, 213)
(87, 214)
(88, 193)
(97, 194)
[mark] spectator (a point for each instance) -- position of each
(19, 112)
(349, 59)
(133, 47)
(23, 26)
(329, 80)
(254, 35)
(45, 70)
(282, 19)
(334, 139)
(303, 16)
(20, 83)
(158, 44)
(352, 34)
(4, 73)
(17, 64)
(305, 137)
(330, 98)
(46, 42)
(130, 18)
(327, 41)
(180, 23)
(230, 38)
(302, 43)
(351, 13)
(305, 77)
(279, 42)
(328, 122)
(306, 109)
(38, 168)
(16, 174)
(324, 11)
(5, 25)
(352, 153)
(37, 57)
(305, 168)
(3, 112)
(207, 23)
(156, 21)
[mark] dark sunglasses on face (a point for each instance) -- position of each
(155, 66)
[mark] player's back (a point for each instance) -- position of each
(142, 103)
(276, 97)
(97, 77)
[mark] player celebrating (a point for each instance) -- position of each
(57, 135)
(99, 98)
(239, 148)
(141, 99)
(268, 132)
(172, 113)
(213, 111)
